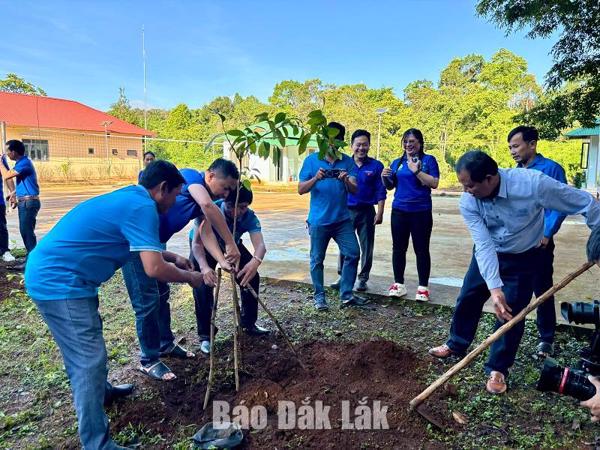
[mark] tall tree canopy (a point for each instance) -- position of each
(574, 79)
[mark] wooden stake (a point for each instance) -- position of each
(497, 335)
(236, 332)
(261, 303)
(212, 339)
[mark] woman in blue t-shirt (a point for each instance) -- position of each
(413, 175)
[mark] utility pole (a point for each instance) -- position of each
(145, 92)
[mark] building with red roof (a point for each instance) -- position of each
(67, 136)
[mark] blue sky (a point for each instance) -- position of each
(197, 50)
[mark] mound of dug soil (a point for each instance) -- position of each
(343, 376)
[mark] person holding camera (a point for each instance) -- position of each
(413, 176)
(504, 211)
(329, 180)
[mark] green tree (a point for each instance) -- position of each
(121, 109)
(14, 83)
(576, 56)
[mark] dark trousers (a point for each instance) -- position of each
(517, 272)
(204, 297)
(546, 314)
(363, 220)
(3, 230)
(150, 302)
(418, 225)
(28, 211)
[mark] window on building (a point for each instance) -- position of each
(115, 151)
(90, 151)
(132, 153)
(36, 149)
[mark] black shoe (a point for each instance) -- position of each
(361, 286)
(115, 392)
(336, 284)
(354, 301)
(255, 330)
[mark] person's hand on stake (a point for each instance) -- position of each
(503, 311)
(209, 276)
(594, 403)
(248, 272)
(232, 254)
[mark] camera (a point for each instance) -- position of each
(574, 381)
(415, 159)
(332, 173)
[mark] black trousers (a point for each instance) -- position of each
(204, 297)
(546, 314)
(417, 225)
(3, 230)
(517, 271)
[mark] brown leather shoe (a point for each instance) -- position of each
(496, 383)
(442, 352)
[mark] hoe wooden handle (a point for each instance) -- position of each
(496, 335)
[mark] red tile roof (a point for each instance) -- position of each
(47, 112)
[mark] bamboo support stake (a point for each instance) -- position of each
(236, 332)
(497, 335)
(213, 317)
(277, 324)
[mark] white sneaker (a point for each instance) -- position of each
(7, 257)
(422, 294)
(397, 290)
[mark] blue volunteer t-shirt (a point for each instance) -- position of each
(185, 208)
(92, 241)
(27, 183)
(248, 223)
(328, 196)
(411, 195)
(370, 187)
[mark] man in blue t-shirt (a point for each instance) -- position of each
(329, 180)
(4, 252)
(149, 297)
(26, 194)
(522, 144)
(83, 250)
(203, 237)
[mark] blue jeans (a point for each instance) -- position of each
(517, 271)
(28, 211)
(77, 329)
(343, 234)
(150, 302)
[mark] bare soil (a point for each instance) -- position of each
(366, 371)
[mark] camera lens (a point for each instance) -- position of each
(565, 381)
(581, 312)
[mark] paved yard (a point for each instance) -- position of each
(283, 217)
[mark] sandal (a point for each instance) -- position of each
(177, 351)
(157, 371)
